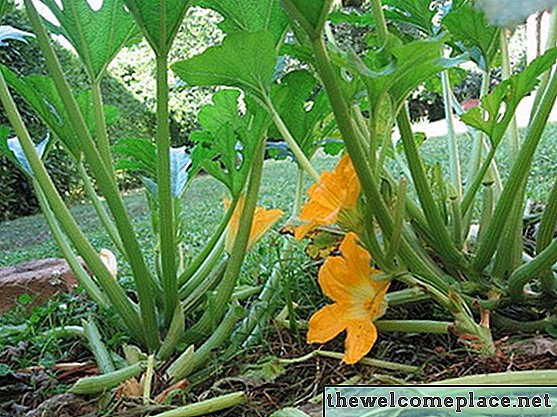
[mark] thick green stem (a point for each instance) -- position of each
(166, 223)
(226, 287)
(103, 141)
(302, 159)
(97, 346)
(142, 275)
(414, 326)
(546, 231)
(115, 293)
(514, 135)
(80, 273)
(541, 263)
(443, 241)
(551, 41)
(525, 378)
(193, 268)
(380, 22)
(370, 188)
(206, 407)
(519, 174)
(452, 143)
(100, 210)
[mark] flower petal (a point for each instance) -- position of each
(263, 220)
(326, 324)
(336, 190)
(360, 338)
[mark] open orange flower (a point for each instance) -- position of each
(359, 300)
(335, 191)
(263, 220)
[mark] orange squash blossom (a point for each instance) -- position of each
(358, 301)
(335, 191)
(263, 220)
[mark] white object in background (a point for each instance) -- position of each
(510, 13)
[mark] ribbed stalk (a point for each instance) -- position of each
(100, 210)
(206, 407)
(525, 378)
(452, 143)
(414, 326)
(444, 244)
(80, 273)
(226, 287)
(101, 133)
(301, 158)
(208, 250)
(97, 346)
(519, 173)
(115, 293)
(141, 273)
(166, 223)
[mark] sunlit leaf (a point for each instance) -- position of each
(510, 93)
(302, 111)
(96, 35)
(245, 60)
(249, 16)
(472, 33)
(417, 13)
(159, 20)
(227, 142)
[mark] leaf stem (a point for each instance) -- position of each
(302, 159)
(166, 223)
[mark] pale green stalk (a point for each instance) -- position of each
(100, 210)
(301, 158)
(115, 293)
(97, 346)
(166, 222)
(208, 250)
(141, 274)
(519, 174)
(551, 41)
(513, 133)
(206, 407)
(103, 141)
(61, 240)
(452, 143)
(226, 287)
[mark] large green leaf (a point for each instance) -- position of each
(411, 64)
(245, 60)
(472, 33)
(249, 16)
(302, 109)
(510, 93)
(311, 15)
(226, 145)
(96, 35)
(159, 20)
